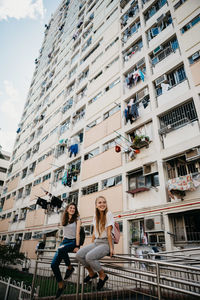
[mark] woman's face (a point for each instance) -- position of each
(101, 204)
(71, 210)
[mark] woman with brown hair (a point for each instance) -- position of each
(71, 240)
(102, 243)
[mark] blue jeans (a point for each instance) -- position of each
(65, 247)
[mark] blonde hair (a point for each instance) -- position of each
(100, 220)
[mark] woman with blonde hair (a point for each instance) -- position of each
(71, 240)
(102, 243)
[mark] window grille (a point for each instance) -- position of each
(90, 189)
(179, 116)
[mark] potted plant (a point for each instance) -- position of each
(140, 141)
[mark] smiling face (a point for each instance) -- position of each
(71, 210)
(101, 204)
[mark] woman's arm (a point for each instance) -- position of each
(78, 227)
(110, 242)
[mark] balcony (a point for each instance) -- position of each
(102, 129)
(101, 163)
(44, 165)
(162, 36)
(86, 208)
(168, 57)
(185, 129)
(173, 93)
(184, 187)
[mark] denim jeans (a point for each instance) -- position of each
(65, 247)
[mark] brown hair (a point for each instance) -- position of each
(100, 221)
(65, 218)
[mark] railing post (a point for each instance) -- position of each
(7, 289)
(33, 281)
(82, 285)
(158, 280)
(20, 291)
(78, 281)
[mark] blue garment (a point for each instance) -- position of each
(141, 75)
(18, 130)
(134, 110)
(62, 254)
(126, 114)
(73, 149)
(64, 178)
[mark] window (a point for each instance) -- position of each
(3, 170)
(137, 181)
(111, 144)
(88, 230)
(95, 98)
(112, 111)
(46, 177)
(93, 124)
(154, 8)
(65, 126)
(27, 235)
(195, 57)
(111, 44)
(115, 82)
(91, 154)
(58, 174)
(106, 183)
(37, 181)
(179, 116)
(90, 189)
(179, 3)
(190, 24)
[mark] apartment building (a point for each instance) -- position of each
(113, 109)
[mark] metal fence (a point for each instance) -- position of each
(172, 276)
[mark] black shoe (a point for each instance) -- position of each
(101, 283)
(88, 278)
(69, 273)
(59, 292)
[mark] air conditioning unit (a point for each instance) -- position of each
(140, 63)
(196, 55)
(150, 169)
(153, 223)
(161, 79)
(158, 49)
(64, 196)
(142, 94)
(192, 154)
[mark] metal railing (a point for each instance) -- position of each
(129, 278)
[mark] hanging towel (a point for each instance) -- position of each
(141, 74)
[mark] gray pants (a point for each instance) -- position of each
(89, 255)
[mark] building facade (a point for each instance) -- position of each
(113, 109)
(4, 164)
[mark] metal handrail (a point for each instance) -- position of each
(129, 272)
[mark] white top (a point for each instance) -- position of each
(69, 231)
(109, 222)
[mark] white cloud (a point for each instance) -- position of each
(20, 9)
(11, 106)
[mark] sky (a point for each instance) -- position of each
(21, 36)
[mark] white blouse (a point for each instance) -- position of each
(109, 222)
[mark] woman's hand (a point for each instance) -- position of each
(112, 252)
(76, 250)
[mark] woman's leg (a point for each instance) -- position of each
(81, 254)
(55, 268)
(64, 249)
(93, 256)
